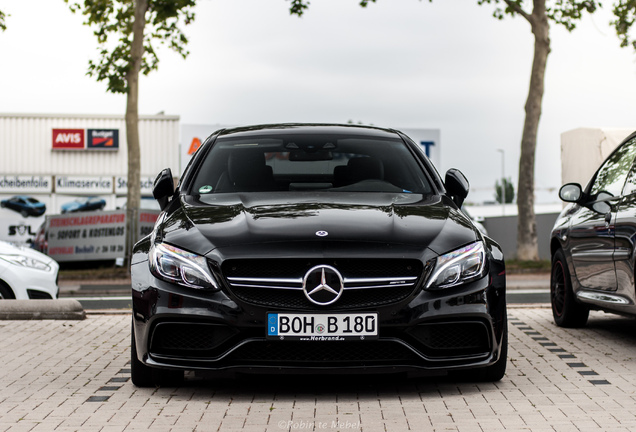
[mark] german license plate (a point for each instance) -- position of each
(322, 327)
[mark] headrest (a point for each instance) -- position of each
(246, 168)
(365, 168)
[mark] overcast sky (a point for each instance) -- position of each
(398, 63)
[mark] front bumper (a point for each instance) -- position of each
(428, 332)
(28, 283)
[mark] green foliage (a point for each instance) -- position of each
(625, 13)
(516, 266)
(298, 7)
(563, 12)
(3, 26)
(508, 190)
(113, 24)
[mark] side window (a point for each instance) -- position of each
(613, 173)
(630, 184)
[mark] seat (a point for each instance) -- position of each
(246, 172)
(340, 176)
(365, 168)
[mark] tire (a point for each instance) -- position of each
(5, 292)
(140, 374)
(496, 371)
(145, 376)
(567, 312)
(492, 373)
(24, 214)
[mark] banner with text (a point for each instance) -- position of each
(91, 236)
(25, 184)
(146, 183)
(80, 185)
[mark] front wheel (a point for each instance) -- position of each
(493, 373)
(567, 312)
(496, 371)
(145, 376)
(140, 374)
(5, 292)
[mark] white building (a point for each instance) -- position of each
(583, 150)
(56, 158)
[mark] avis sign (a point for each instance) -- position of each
(85, 139)
(68, 139)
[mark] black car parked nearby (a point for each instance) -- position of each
(25, 205)
(315, 249)
(593, 241)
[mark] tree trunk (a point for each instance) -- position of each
(527, 246)
(132, 122)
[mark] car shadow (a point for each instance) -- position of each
(291, 386)
(613, 326)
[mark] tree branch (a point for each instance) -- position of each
(519, 10)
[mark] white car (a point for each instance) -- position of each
(26, 273)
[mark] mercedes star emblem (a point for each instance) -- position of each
(322, 233)
(323, 285)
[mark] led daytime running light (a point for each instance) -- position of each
(459, 266)
(177, 265)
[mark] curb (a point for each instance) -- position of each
(65, 309)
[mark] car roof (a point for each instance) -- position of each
(308, 128)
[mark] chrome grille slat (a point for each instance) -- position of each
(388, 279)
(267, 280)
(268, 287)
(378, 286)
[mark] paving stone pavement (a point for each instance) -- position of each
(75, 376)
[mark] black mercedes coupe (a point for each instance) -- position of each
(593, 242)
(302, 248)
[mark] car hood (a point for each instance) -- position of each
(11, 249)
(373, 219)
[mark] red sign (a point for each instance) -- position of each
(68, 139)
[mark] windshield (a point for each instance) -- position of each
(309, 162)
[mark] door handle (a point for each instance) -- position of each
(608, 218)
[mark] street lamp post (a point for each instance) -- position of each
(503, 180)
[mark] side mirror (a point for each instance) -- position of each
(571, 192)
(163, 188)
(457, 186)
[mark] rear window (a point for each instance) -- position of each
(301, 163)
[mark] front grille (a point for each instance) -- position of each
(290, 268)
(277, 283)
(290, 353)
(189, 338)
(450, 339)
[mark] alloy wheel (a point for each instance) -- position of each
(557, 288)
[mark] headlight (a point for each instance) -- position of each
(25, 261)
(458, 267)
(185, 268)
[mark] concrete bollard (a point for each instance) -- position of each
(63, 309)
